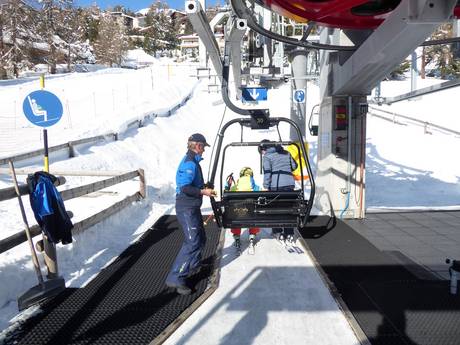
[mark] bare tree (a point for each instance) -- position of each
(3, 74)
(18, 26)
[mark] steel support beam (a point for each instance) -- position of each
(299, 82)
(200, 23)
(202, 51)
(406, 28)
(268, 44)
(236, 33)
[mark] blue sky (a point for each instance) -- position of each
(138, 4)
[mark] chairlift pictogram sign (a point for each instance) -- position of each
(298, 96)
(42, 108)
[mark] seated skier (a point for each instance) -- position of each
(245, 183)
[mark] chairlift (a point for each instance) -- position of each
(237, 209)
(314, 121)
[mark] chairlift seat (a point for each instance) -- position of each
(262, 209)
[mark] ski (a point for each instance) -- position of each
(252, 247)
(289, 247)
(298, 250)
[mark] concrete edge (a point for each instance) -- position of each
(357, 330)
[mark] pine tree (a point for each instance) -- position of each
(152, 30)
(112, 42)
(91, 18)
(160, 29)
(170, 29)
(441, 56)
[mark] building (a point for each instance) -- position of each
(128, 21)
(189, 43)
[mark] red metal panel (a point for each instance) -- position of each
(351, 14)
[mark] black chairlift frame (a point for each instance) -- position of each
(262, 208)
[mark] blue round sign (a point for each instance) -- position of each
(42, 108)
(299, 96)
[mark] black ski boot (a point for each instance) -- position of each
(237, 243)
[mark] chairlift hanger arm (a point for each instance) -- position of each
(308, 31)
(225, 96)
(243, 12)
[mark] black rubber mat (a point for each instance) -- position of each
(128, 302)
(390, 304)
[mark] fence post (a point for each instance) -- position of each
(69, 117)
(71, 150)
(142, 188)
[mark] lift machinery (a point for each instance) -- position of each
(361, 41)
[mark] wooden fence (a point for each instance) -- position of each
(67, 146)
(115, 177)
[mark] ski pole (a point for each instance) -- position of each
(24, 218)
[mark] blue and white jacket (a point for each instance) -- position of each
(48, 207)
(278, 166)
(189, 181)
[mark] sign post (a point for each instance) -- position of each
(44, 109)
(46, 163)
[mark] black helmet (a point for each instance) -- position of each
(198, 138)
(264, 145)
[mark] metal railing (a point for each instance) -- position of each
(425, 124)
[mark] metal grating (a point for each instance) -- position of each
(389, 303)
(127, 303)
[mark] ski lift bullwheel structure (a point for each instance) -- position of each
(237, 209)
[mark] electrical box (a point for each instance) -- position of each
(339, 131)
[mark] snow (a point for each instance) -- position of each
(405, 167)
(138, 58)
(144, 11)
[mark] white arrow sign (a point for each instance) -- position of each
(254, 94)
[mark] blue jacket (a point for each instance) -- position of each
(189, 181)
(48, 207)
